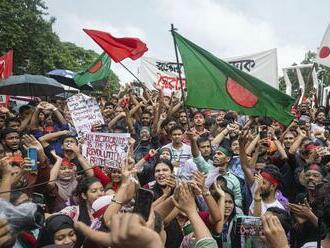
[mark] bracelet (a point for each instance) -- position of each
(257, 199)
(116, 201)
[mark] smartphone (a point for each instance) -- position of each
(248, 226)
(263, 134)
(143, 201)
(38, 198)
(32, 154)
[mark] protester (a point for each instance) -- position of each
(205, 170)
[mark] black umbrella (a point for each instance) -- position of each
(66, 77)
(30, 85)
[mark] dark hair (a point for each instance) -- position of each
(232, 195)
(70, 136)
(283, 216)
(267, 121)
(24, 108)
(11, 119)
(176, 127)
(163, 161)
(202, 138)
(84, 184)
(230, 117)
(168, 120)
(146, 112)
(198, 113)
(83, 187)
(6, 131)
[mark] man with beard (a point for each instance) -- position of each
(313, 176)
(183, 119)
(219, 166)
(264, 190)
(306, 229)
(146, 121)
(11, 140)
(199, 122)
(199, 126)
(318, 126)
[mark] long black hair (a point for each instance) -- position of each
(82, 188)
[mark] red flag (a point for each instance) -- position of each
(118, 48)
(6, 65)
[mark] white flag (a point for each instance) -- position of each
(323, 54)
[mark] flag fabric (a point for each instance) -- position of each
(213, 83)
(323, 54)
(118, 48)
(6, 65)
(98, 70)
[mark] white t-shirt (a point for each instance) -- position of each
(264, 206)
(182, 154)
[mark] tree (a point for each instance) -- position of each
(37, 49)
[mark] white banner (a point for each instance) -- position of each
(85, 112)
(262, 65)
(105, 149)
(162, 73)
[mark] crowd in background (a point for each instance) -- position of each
(207, 170)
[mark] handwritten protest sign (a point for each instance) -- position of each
(85, 112)
(105, 149)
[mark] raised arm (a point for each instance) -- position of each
(5, 183)
(55, 169)
(186, 204)
(193, 143)
(116, 119)
(296, 144)
(248, 175)
(83, 162)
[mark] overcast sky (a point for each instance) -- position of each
(226, 28)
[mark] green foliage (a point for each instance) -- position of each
(107, 86)
(25, 28)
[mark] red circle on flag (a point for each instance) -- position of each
(240, 95)
(95, 67)
(324, 52)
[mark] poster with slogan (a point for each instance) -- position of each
(85, 112)
(105, 149)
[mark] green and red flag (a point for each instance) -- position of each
(213, 83)
(98, 70)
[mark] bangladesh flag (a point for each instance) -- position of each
(98, 70)
(213, 83)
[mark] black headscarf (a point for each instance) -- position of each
(53, 224)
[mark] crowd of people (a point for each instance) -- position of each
(218, 178)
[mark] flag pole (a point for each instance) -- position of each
(139, 81)
(183, 98)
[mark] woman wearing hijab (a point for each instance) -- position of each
(58, 230)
